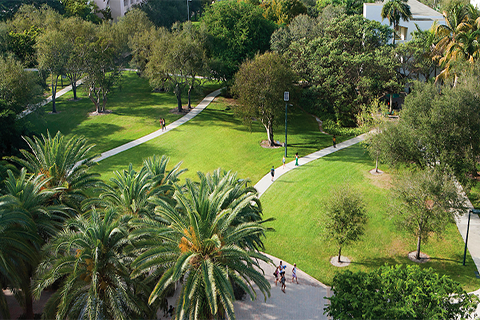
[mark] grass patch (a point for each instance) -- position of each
(136, 110)
(297, 200)
(217, 138)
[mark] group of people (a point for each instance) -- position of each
(162, 124)
(280, 275)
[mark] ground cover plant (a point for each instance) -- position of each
(217, 138)
(135, 108)
(297, 200)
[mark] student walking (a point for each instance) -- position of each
(296, 159)
(272, 172)
(282, 281)
(283, 161)
(294, 273)
(334, 141)
(276, 273)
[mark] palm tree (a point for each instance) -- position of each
(16, 247)
(64, 162)
(203, 242)
(394, 10)
(456, 22)
(131, 189)
(88, 258)
(30, 197)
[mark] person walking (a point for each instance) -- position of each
(296, 159)
(294, 273)
(282, 281)
(334, 141)
(272, 172)
(276, 275)
(164, 126)
(283, 161)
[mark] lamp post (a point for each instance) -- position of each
(475, 211)
(188, 9)
(286, 97)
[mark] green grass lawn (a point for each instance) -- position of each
(217, 138)
(297, 200)
(135, 113)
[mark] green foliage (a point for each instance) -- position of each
(8, 8)
(207, 239)
(348, 66)
(22, 45)
(165, 13)
(238, 31)
(259, 85)
(345, 218)
(282, 11)
(84, 9)
(18, 88)
(398, 292)
(429, 201)
(333, 128)
(436, 130)
(352, 7)
(394, 11)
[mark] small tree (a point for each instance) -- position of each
(346, 217)
(259, 85)
(429, 201)
(398, 292)
(394, 10)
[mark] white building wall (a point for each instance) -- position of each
(118, 7)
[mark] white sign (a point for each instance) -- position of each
(286, 96)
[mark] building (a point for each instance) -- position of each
(117, 7)
(422, 15)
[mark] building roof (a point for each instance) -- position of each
(419, 10)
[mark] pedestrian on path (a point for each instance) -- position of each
(276, 275)
(296, 159)
(282, 281)
(283, 161)
(334, 141)
(272, 172)
(294, 273)
(164, 126)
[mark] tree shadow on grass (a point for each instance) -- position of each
(353, 154)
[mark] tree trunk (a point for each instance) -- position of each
(391, 103)
(54, 92)
(419, 242)
(104, 93)
(94, 99)
(376, 165)
(28, 303)
(178, 94)
(339, 254)
(189, 91)
(269, 129)
(74, 89)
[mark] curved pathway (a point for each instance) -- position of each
(306, 299)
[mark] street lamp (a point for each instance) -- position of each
(286, 97)
(475, 211)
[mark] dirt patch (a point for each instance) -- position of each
(344, 261)
(267, 145)
(423, 257)
(95, 113)
(382, 180)
(185, 110)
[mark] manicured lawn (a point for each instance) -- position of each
(297, 200)
(216, 138)
(135, 113)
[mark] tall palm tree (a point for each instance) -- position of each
(30, 197)
(88, 258)
(394, 10)
(457, 21)
(64, 162)
(203, 242)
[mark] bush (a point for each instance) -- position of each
(331, 127)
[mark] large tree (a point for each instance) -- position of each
(53, 52)
(18, 90)
(175, 60)
(238, 31)
(398, 292)
(259, 85)
(429, 201)
(207, 242)
(349, 65)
